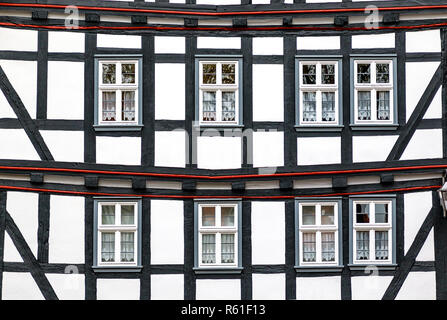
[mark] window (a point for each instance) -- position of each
(119, 93)
(318, 96)
(219, 92)
(117, 233)
(318, 232)
(218, 238)
(373, 97)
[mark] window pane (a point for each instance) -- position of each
(227, 248)
(383, 73)
(328, 246)
(328, 74)
(363, 73)
(209, 106)
(362, 245)
(364, 105)
(309, 106)
(228, 106)
(328, 106)
(209, 74)
(128, 105)
(308, 215)
(208, 216)
(228, 73)
(128, 73)
(109, 73)
(381, 212)
(309, 247)
(327, 215)
(227, 216)
(107, 247)
(127, 246)
(108, 214)
(383, 105)
(309, 74)
(128, 214)
(381, 245)
(209, 248)
(362, 212)
(109, 106)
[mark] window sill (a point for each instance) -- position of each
(105, 269)
(103, 128)
(316, 128)
(232, 270)
(378, 127)
(363, 267)
(306, 269)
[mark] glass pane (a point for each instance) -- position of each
(209, 248)
(107, 247)
(383, 73)
(228, 73)
(327, 215)
(362, 212)
(128, 73)
(328, 106)
(363, 73)
(309, 247)
(381, 245)
(108, 73)
(208, 216)
(328, 246)
(362, 245)
(128, 214)
(381, 212)
(128, 105)
(364, 105)
(227, 248)
(308, 215)
(309, 106)
(209, 74)
(228, 106)
(309, 74)
(127, 247)
(383, 105)
(227, 216)
(108, 214)
(328, 74)
(109, 106)
(209, 106)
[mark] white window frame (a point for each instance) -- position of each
(118, 87)
(218, 230)
(373, 87)
(318, 88)
(372, 227)
(219, 88)
(117, 228)
(318, 228)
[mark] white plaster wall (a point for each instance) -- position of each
(425, 144)
(368, 41)
(118, 289)
(169, 44)
(418, 286)
(218, 42)
(268, 232)
(16, 145)
(65, 90)
(118, 150)
(167, 286)
(372, 148)
(427, 252)
(318, 288)
(66, 240)
(68, 286)
(268, 45)
(170, 91)
(20, 286)
(18, 39)
(11, 254)
(167, 240)
(369, 287)
(423, 41)
(434, 111)
(318, 43)
(324, 150)
(170, 149)
(222, 289)
(269, 286)
(219, 152)
(268, 92)
(57, 142)
(118, 41)
(62, 41)
(268, 149)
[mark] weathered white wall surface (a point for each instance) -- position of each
(118, 289)
(222, 289)
(167, 287)
(369, 287)
(20, 286)
(118, 150)
(269, 286)
(418, 286)
(318, 288)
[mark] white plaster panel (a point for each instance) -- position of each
(118, 41)
(57, 142)
(118, 289)
(222, 289)
(417, 206)
(318, 288)
(268, 232)
(20, 286)
(269, 286)
(434, 111)
(218, 42)
(167, 241)
(325, 150)
(427, 252)
(68, 286)
(18, 39)
(10, 252)
(169, 44)
(170, 148)
(65, 90)
(372, 148)
(318, 43)
(118, 150)
(16, 145)
(369, 287)
(423, 41)
(66, 41)
(368, 41)
(268, 149)
(418, 286)
(167, 287)
(66, 240)
(268, 46)
(425, 144)
(170, 91)
(219, 152)
(268, 92)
